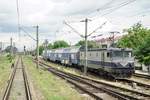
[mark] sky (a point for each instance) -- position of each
(50, 15)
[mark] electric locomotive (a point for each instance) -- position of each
(111, 62)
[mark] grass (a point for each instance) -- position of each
(4, 70)
(51, 87)
(65, 69)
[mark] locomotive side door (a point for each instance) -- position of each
(103, 58)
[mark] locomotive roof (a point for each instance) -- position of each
(72, 49)
(107, 49)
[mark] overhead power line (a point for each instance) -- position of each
(27, 33)
(97, 28)
(73, 29)
(18, 17)
(119, 6)
(106, 6)
(111, 9)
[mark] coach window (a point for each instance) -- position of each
(72, 56)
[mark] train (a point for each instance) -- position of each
(109, 62)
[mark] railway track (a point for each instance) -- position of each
(111, 90)
(131, 82)
(142, 76)
(18, 87)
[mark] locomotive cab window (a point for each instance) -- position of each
(122, 54)
(108, 54)
(127, 54)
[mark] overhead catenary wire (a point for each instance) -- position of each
(110, 10)
(99, 27)
(106, 6)
(18, 17)
(120, 6)
(73, 29)
(27, 34)
(141, 13)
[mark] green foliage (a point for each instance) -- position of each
(91, 44)
(137, 38)
(57, 44)
(8, 49)
(143, 52)
(60, 44)
(10, 58)
(51, 87)
(41, 48)
(5, 71)
(50, 46)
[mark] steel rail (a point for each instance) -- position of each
(27, 88)
(110, 85)
(142, 75)
(9, 85)
(114, 93)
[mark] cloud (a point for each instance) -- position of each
(49, 15)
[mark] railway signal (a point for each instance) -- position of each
(24, 50)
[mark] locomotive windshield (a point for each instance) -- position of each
(121, 54)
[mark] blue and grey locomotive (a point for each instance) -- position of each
(114, 62)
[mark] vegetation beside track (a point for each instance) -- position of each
(97, 78)
(51, 87)
(5, 70)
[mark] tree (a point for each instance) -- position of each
(91, 44)
(41, 48)
(8, 49)
(50, 46)
(138, 38)
(135, 37)
(60, 44)
(143, 52)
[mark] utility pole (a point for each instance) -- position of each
(85, 36)
(86, 45)
(14, 48)
(11, 47)
(113, 37)
(37, 46)
(45, 45)
(85, 68)
(0, 47)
